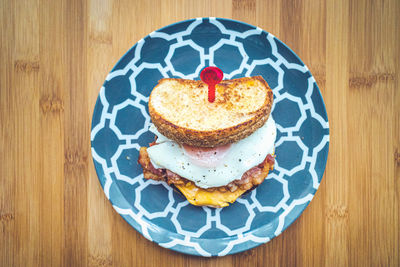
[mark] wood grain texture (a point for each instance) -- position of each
(55, 56)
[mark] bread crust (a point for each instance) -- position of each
(219, 136)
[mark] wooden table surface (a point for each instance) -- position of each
(55, 56)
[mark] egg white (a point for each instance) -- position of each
(242, 156)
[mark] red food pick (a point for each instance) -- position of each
(211, 76)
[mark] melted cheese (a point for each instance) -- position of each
(200, 197)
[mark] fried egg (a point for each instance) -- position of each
(227, 164)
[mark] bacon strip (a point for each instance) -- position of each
(250, 178)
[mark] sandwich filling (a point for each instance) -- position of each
(214, 167)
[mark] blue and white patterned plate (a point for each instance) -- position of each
(120, 127)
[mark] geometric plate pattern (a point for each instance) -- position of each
(120, 127)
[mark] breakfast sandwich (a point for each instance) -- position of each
(212, 152)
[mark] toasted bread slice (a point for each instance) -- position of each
(180, 110)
